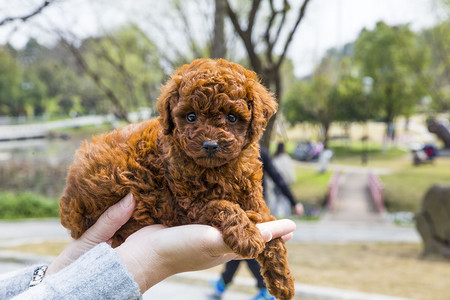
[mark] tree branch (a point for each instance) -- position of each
(28, 16)
(246, 35)
(96, 78)
(269, 42)
(291, 35)
(252, 15)
(286, 7)
(119, 65)
(187, 30)
(180, 58)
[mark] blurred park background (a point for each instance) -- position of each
(363, 88)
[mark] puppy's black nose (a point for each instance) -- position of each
(210, 147)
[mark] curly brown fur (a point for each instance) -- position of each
(197, 163)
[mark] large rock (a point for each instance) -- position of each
(441, 130)
(433, 221)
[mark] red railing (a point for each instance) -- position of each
(376, 188)
(333, 188)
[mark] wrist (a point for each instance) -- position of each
(146, 271)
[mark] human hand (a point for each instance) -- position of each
(102, 231)
(156, 252)
(299, 209)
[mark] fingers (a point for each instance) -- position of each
(183, 248)
(110, 221)
(287, 237)
(280, 228)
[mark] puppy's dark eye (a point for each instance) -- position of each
(231, 118)
(191, 117)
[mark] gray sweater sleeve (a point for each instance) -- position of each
(98, 274)
(14, 283)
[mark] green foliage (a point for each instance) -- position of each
(391, 57)
(34, 92)
(10, 81)
(436, 44)
(127, 63)
(38, 80)
(310, 100)
(351, 104)
(328, 96)
(398, 61)
(27, 205)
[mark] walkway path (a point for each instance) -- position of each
(353, 202)
(41, 130)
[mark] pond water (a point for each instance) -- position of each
(37, 165)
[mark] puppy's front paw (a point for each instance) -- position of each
(275, 270)
(282, 288)
(247, 242)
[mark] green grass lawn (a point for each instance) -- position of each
(310, 187)
(350, 154)
(407, 185)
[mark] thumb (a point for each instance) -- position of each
(110, 221)
(105, 227)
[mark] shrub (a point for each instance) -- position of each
(27, 205)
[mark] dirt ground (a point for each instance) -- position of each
(381, 268)
(392, 269)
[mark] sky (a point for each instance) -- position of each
(327, 23)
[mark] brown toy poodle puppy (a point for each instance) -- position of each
(198, 163)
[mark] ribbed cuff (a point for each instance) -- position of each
(98, 274)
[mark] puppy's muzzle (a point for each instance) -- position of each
(210, 147)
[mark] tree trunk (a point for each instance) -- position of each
(326, 129)
(272, 80)
(218, 49)
(269, 69)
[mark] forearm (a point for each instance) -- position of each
(14, 283)
(98, 274)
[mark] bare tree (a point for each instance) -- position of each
(110, 94)
(218, 49)
(268, 63)
(24, 18)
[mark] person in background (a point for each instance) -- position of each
(231, 267)
(281, 207)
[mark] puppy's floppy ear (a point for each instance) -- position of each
(264, 106)
(168, 98)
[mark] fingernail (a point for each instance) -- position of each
(267, 235)
(127, 201)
